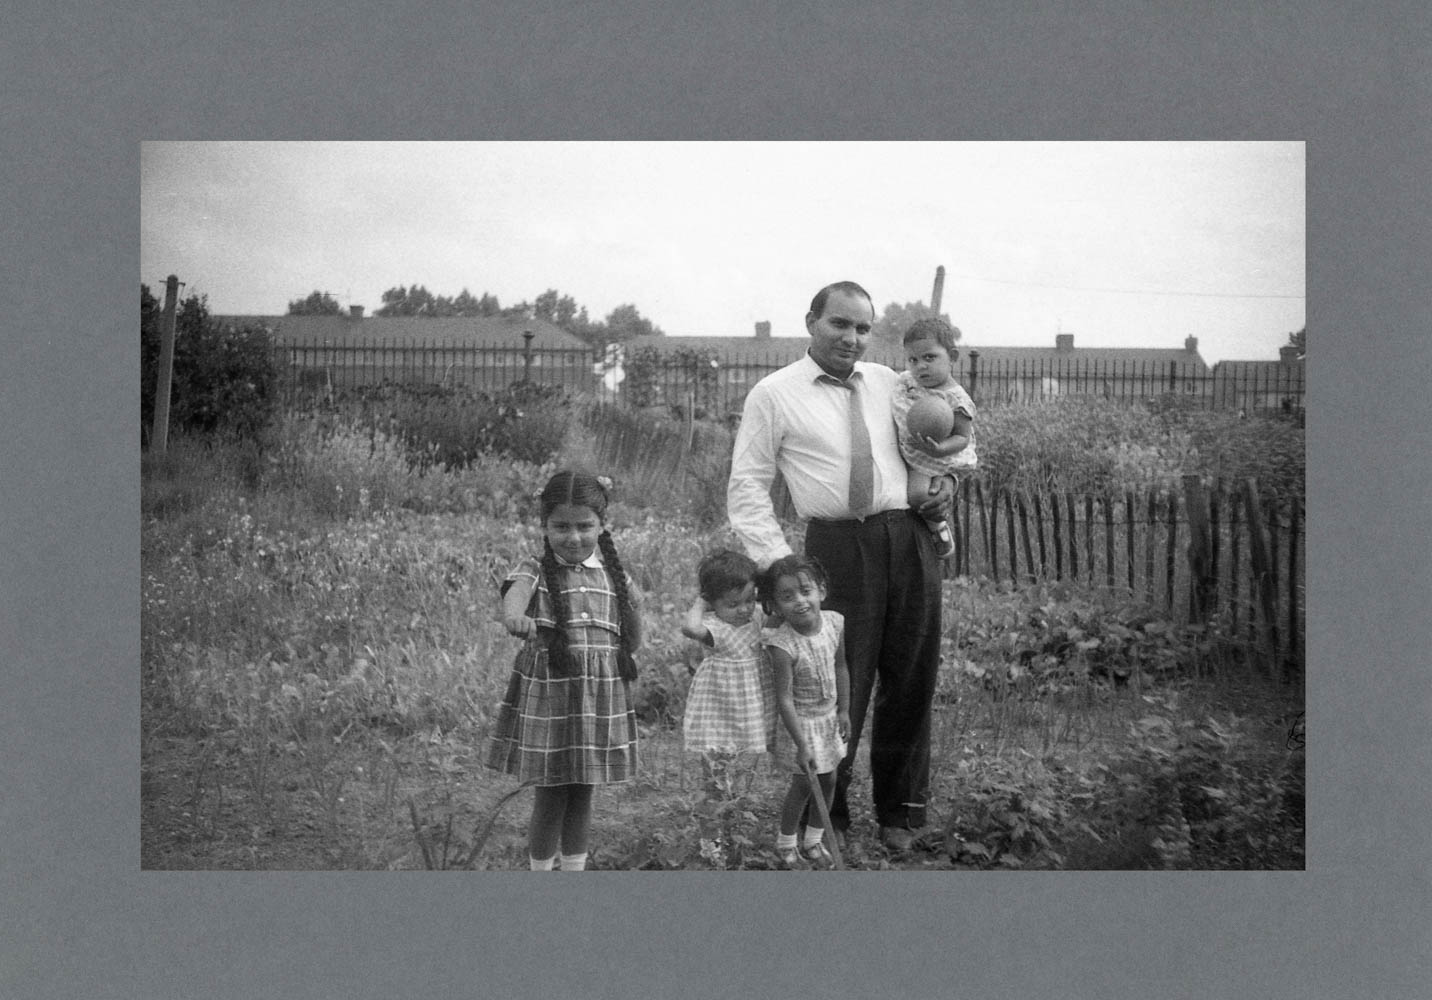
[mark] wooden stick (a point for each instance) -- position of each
(824, 814)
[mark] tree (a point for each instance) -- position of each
(466, 305)
(896, 319)
(224, 377)
(624, 323)
(317, 304)
(414, 301)
(554, 307)
(1300, 341)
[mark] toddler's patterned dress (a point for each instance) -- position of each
(730, 707)
(907, 391)
(580, 729)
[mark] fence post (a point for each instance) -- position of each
(527, 355)
(1200, 559)
(160, 435)
(1262, 570)
(1169, 562)
(1130, 533)
(974, 372)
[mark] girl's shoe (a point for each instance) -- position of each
(817, 854)
(790, 857)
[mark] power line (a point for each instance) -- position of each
(1129, 291)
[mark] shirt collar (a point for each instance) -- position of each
(593, 561)
(819, 374)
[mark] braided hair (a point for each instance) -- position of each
(582, 490)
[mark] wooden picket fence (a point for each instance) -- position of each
(1196, 552)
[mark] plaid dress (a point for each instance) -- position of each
(555, 730)
(730, 707)
(813, 691)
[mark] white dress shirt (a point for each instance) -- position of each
(796, 420)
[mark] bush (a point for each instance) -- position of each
(1098, 446)
(341, 469)
(670, 378)
(224, 377)
(450, 426)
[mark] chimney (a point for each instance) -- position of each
(1190, 344)
(1064, 341)
(355, 312)
(1288, 353)
(763, 330)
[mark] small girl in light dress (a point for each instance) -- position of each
(812, 690)
(729, 707)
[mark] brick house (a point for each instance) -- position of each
(1262, 386)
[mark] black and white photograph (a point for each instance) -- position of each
(397, 395)
(984, 594)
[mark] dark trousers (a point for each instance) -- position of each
(884, 577)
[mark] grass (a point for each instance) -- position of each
(319, 678)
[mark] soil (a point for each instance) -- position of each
(385, 801)
(206, 805)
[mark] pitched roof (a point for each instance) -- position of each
(756, 350)
(783, 350)
(1261, 373)
(1078, 357)
(483, 331)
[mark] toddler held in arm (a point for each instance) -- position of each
(930, 353)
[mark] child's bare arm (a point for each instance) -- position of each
(955, 443)
(637, 630)
(782, 671)
(514, 608)
(691, 625)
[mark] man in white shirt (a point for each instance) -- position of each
(880, 559)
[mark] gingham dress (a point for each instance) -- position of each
(730, 706)
(556, 730)
(907, 390)
(813, 691)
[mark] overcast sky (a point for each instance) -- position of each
(1122, 244)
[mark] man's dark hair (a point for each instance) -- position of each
(817, 304)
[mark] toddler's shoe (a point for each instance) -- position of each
(790, 858)
(944, 541)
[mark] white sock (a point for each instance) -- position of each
(541, 865)
(785, 841)
(813, 836)
(574, 862)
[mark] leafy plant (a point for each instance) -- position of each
(224, 378)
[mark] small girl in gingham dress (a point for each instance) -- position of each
(730, 708)
(566, 723)
(812, 689)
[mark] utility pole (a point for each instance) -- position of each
(939, 290)
(159, 437)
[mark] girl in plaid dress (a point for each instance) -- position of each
(566, 723)
(729, 708)
(812, 695)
